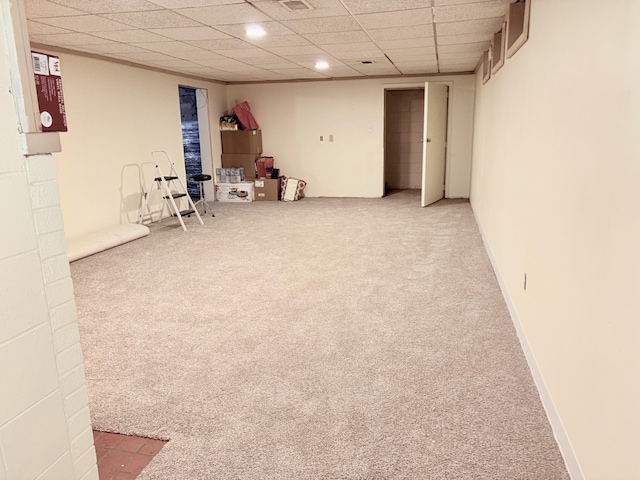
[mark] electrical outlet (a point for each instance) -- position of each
(331, 138)
(322, 138)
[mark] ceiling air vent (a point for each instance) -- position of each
(295, 5)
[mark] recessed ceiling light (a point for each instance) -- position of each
(254, 31)
(322, 65)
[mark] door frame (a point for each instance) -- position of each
(420, 86)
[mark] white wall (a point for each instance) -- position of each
(116, 115)
(45, 429)
(556, 170)
(294, 115)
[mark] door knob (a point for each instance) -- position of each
(428, 140)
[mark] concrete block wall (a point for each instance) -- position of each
(45, 429)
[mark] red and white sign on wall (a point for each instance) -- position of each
(49, 88)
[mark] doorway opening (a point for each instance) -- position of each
(415, 134)
(196, 140)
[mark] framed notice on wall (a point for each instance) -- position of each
(46, 69)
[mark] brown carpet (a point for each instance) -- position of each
(319, 339)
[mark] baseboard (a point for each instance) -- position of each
(559, 432)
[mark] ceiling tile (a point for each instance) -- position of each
(37, 28)
(299, 73)
(470, 11)
(242, 53)
(403, 18)
(357, 57)
(45, 9)
(221, 44)
(217, 63)
(418, 70)
(203, 56)
(471, 48)
(113, 48)
(190, 33)
(469, 38)
(394, 33)
(65, 39)
(337, 37)
(172, 4)
(298, 50)
(343, 71)
(85, 23)
(407, 43)
(132, 36)
(265, 58)
(109, 6)
(470, 26)
(323, 25)
(459, 55)
(239, 29)
(224, 14)
(418, 53)
(444, 3)
(144, 56)
(279, 41)
(152, 19)
(352, 47)
(375, 6)
(448, 62)
(169, 47)
(280, 66)
(321, 8)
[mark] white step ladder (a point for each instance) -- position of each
(168, 197)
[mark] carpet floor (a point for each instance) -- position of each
(320, 339)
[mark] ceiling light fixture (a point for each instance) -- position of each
(254, 31)
(322, 65)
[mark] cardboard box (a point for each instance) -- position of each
(241, 160)
(267, 190)
(241, 141)
(241, 192)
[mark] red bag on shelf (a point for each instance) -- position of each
(245, 117)
(264, 166)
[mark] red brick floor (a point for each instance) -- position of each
(123, 457)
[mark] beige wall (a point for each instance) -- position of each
(555, 189)
(117, 115)
(45, 429)
(293, 116)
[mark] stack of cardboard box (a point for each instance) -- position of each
(241, 149)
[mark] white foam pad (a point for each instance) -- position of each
(104, 239)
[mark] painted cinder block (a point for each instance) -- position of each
(17, 234)
(66, 337)
(78, 422)
(76, 401)
(58, 293)
(48, 220)
(72, 380)
(41, 168)
(63, 315)
(41, 428)
(70, 358)
(32, 375)
(82, 443)
(52, 244)
(17, 284)
(60, 469)
(55, 268)
(45, 195)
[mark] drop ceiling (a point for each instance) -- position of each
(207, 38)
